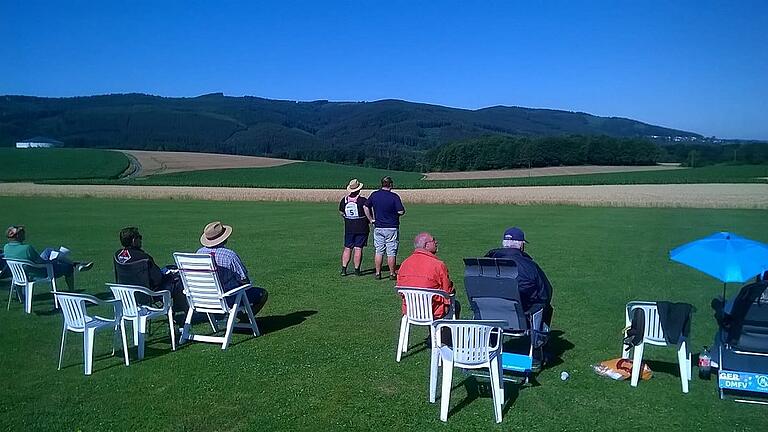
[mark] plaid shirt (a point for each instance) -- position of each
(230, 268)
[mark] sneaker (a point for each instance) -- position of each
(85, 266)
(358, 272)
(378, 276)
(343, 271)
(393, 276)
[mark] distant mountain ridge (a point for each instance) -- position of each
(351, 132)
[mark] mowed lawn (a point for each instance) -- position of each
(326, 360)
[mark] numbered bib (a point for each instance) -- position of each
(351, 211)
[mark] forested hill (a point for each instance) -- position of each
(388, 133)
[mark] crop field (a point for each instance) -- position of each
(326, 359)
(745, 196)
(320, 175)
(60, 164)
(545, 171)
(85, 166)
(159, 162)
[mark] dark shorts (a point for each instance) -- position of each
(254, 296)
(355, 240)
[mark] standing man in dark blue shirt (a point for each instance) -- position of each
(384, 209)
(535, 289)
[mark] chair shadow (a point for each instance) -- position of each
(96, 358)
(664, 367)
(476, 390)
(555, 348)
(413, 350)
(267, 324)
(275, 323)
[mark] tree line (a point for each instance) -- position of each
(501, 152)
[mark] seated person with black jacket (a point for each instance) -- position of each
(535, 289)
(130, 270)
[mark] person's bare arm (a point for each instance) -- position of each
(369, 214)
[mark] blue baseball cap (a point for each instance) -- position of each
(514, 233)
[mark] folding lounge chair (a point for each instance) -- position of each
(493, 295)
(742, 346)
(205, 295)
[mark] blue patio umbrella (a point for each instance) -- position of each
(724, 256)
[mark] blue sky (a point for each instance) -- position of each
(694, 65)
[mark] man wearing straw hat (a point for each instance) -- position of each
(232, 273)
(356, 229)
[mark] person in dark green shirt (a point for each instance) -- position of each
(17, 250)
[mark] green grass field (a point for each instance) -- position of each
(332, 176)
(326, 360)
(60, 164)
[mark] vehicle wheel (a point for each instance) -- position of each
(705, 372)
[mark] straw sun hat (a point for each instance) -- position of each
(354, 186)
(215, 233)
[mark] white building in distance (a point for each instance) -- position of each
(39, 142)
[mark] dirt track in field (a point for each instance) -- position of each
(747, 196)
(158, 162)
(543, 172)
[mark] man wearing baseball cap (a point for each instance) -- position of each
(535, 289)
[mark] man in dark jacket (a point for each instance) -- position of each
(159, 279)
(535, 289)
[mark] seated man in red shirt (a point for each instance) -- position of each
(424, 269)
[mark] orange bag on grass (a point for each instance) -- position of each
(621, 369)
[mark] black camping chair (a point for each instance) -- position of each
(742, 342)
(491, 285)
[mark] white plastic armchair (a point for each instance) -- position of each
(21, 280)
(476, 344)
(654, 335)
(205, 295)
(139, 314)
(418, 305)
(76, 319)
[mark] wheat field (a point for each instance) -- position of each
(746, 196)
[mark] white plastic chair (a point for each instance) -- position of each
(139, 314)
(76, 319)
(654, 335)
(21, 280)
(204, 294)
(418, 304)
(472, 349)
